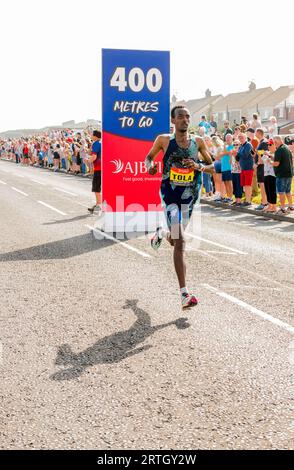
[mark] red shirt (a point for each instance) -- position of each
(96, 150)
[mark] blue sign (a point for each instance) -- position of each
(136, 93)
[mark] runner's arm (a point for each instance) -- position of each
(156, 148)
(209, 166)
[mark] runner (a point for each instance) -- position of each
(96, 160)
(180, 188)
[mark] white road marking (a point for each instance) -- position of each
(236, 286)
(125, 245)
(20, 176)
(221, 252)
(18, 191)
(208, 251)
(247, 271)
(52, 208)
(67, 192)
(251, 309)
(79, 203)
(214, 243)
(39, 182)
(2, 182)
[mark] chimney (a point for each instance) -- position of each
(208, 93)
(252, 86)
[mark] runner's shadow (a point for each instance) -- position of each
(73, 219)
(114, 348)
(67, 248)
(59, 249)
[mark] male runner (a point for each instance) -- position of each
(96, 160)
(180, 187)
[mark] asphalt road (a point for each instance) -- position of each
(96, 351)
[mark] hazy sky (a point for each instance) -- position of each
(51, 50)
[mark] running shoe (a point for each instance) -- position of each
(91, 209)
(188, 300)
(157, 238)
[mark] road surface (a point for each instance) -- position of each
(96, 352)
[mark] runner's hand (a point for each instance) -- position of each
(153, 170)
(188, 163)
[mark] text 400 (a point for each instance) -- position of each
(136, 79)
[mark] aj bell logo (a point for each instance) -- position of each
(118, 166)
(132, 168)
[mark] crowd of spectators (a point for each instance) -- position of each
(249, 160)
(61, 150)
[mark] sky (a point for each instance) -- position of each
(50, 51)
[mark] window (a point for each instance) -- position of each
(265, 114)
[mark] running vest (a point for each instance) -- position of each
(174, 171)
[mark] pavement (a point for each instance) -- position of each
(249, 210)
(96, 352)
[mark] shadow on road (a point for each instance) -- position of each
(66, 221)
(113, 348)
(59, 249)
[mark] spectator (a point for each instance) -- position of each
(218, 149)
(226, 167)
(236, 173)
(270, 179)
(201, 132)
(205, 124)
(244, 122)
(254, 142)
(283, 166)
(207, 183)
(227, 129)
(237, 131)
(57, 157)
(96, 159)
(260, 150)
(255, 123)
(273, 127)
(213, 125)
(244, 157)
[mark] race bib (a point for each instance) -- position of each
(181, 176)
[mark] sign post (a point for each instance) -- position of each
(136, 97)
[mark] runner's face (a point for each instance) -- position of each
(182, 120)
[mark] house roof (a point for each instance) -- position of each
(281, 94)
(240, 100)
(197, 104)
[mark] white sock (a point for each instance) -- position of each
(164, 233)
(184, 290)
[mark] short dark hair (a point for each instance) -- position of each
(97, 134)
(261, 131)
(173, 111)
